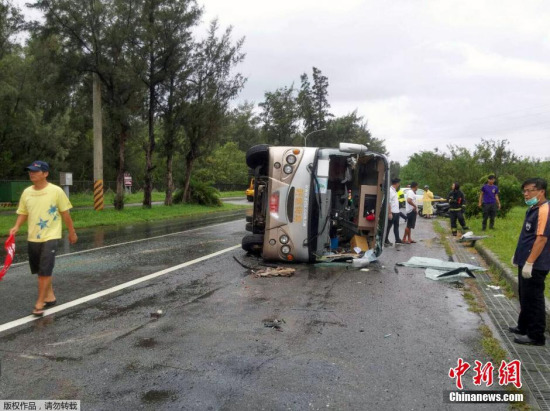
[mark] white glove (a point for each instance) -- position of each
(526, 270)
(512, 262)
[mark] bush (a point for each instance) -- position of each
(201, 193)
(510, 193)
(471, 192)
(177, 197)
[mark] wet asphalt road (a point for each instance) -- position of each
(350, 340)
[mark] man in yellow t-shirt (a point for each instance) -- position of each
(43, 205)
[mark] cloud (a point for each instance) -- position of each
(475, 62)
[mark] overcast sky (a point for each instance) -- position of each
(423, 74)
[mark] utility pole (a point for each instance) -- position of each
(98, 145)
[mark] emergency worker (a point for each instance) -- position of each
(532, 257)
(456, 201)
(402, 203)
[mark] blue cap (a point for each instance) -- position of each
(38, 166)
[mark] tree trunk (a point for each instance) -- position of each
(189, 161)
(148, 188)
(169, 180)
(119, 198)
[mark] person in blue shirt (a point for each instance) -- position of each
(489, 202)
(532, 258)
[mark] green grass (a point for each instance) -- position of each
(109, 216)
(442, 232)
(498, 354)
(473, 303)
(503, 240)
(227, 194)
(87, 199)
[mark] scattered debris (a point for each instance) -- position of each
(365, 269)
(242, 264)
(499, 295)
(367, 258)
(156, 315)
(457, 271)
(442, 270)
(451, 276)
(274, 272)
(387, 335)
(425, 262)
(276, 324)
(493, 287)
(337, 257)
(469, 236)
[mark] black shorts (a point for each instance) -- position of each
(42, 257)
(411, 219)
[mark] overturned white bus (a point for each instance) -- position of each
(307, 200)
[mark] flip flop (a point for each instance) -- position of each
(412, 242)
(48, 304)
(38, 312)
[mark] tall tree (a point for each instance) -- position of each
(313, 102)
(164, 34)
(280, 116)
(242, 126)
(11, 22)
(305, 105)
(321, 105)
(350, 128)
(211, 86)
(173, 114)
(99, 37)
(494, 156)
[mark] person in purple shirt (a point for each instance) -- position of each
(489, 202)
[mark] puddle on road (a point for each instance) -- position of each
(158, 396)
(146, 343)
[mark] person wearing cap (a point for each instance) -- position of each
(412, 210)
(532, 257)
(427, 205)
(489, 201)
(393, 213)
(43, 205)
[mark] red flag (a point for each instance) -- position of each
(10, 249)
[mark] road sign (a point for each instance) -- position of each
(127, 180)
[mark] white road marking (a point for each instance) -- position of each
(82, 300)
(131, 242)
